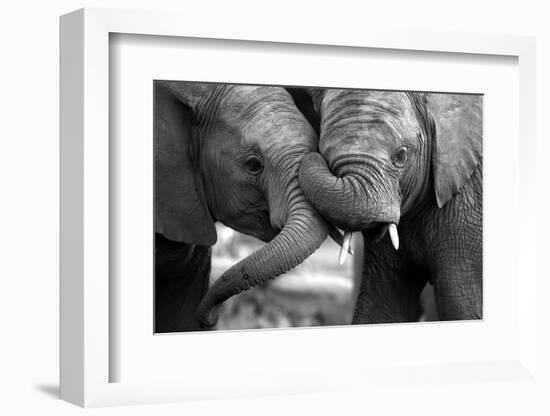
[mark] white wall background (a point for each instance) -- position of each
(29, 210)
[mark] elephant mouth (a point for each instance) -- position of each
(256, 224)
(268, 234)
(375, 231)
(372, 233)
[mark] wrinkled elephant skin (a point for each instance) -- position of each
(410, 164)
(228, 153)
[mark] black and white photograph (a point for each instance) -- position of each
(238, 208)
(283, 206)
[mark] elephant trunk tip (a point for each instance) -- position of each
(208, 316)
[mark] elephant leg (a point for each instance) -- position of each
(458, 295)
(182, 274)
(390, 288)
(457, 255)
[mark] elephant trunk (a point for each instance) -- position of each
(357, 197)
(303, 233)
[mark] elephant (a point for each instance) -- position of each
(411, 161)
(227, 153)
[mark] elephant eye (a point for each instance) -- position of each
(254, 165)
(400, 156)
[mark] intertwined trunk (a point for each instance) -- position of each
(358, 196)
(304, 231)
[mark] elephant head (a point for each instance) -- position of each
(383, 154)
(231, 153)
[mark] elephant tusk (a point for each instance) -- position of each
(394, 236)
(345, 247)
(338, 238)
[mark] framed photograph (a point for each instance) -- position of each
(273, 212)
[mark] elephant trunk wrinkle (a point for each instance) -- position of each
(356, 196)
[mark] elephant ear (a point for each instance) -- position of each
(457, 146)
(181, 213)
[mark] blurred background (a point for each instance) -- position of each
(317, 292)
(320, 291)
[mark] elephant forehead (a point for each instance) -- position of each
(278, 130)
(354, 114)
(267, 117)
(244, 101)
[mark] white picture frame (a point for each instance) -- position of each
(85, 165)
